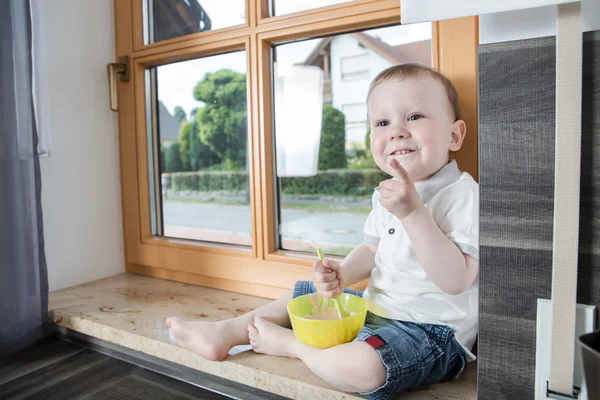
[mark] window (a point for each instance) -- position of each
(356, 125)
(324, 177)
(244, 203)
(203, 146)
(355, 67)
(168, 19)
(355, 112)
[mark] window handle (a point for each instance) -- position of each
(121, 68)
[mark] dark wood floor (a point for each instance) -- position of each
(56, 369)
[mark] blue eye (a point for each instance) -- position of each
(415, 117)
(382, 123)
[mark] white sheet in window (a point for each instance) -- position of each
(298, 120)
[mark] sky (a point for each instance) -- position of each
(176, 81)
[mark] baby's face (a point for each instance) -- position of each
(413, 122)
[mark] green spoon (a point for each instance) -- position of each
(342, 313)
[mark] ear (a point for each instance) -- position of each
(459, 130)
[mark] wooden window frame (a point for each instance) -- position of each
(263, 270)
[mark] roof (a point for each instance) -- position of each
(419, 52)
(168, 126)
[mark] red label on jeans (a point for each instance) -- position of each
(375, 342)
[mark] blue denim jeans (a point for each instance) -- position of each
(414, 354)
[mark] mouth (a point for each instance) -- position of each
(401, 152)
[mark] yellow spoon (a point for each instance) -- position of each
(342, 313)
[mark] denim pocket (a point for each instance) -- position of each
(450, 359)
(456, 366)
(441, 335)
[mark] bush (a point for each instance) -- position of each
(364, 162)
(210, 181)
(332, 149)
(163, 158)
(369, 162)
(201, 156)
(335, 182)
(184, 144)
(332, 182)
(195, 155)
(172, 159)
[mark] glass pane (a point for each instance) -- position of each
(203, 135)
(283, 7)
(167, 19)
(325, 172)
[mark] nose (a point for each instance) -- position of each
(399, 131)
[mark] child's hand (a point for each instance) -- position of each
(400, 197)
(327, 278)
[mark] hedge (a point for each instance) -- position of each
(330, 182)
(209, 181)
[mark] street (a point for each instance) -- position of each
(326, 228)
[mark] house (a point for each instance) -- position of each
(350, 62)
(168, 126)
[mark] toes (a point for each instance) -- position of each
(252, 332)
(253, 337)
(255, 345)
(259, 322)
(174, 322)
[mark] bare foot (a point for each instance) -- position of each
(212, 340)
(268, 338)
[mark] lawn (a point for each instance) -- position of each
(311, 206)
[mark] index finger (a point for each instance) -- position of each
(399, 172)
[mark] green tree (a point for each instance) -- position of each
(173, 159)
(332, 153)
(200, 155)
(195, 155)
(223, 122)
(163, 157)
(184, 144)
(193, 113)
(179, 114)
(369, 162)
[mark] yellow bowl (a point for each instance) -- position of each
(326, 333)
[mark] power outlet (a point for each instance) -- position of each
(585, 321)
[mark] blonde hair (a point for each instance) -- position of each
(411, 70)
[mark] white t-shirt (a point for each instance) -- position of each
(399, 288)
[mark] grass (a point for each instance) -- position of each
(288, 205)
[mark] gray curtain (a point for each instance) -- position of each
(23, 272)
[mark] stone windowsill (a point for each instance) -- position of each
(130, 311)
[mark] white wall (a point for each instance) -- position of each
(532, 23)
(81, 196)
